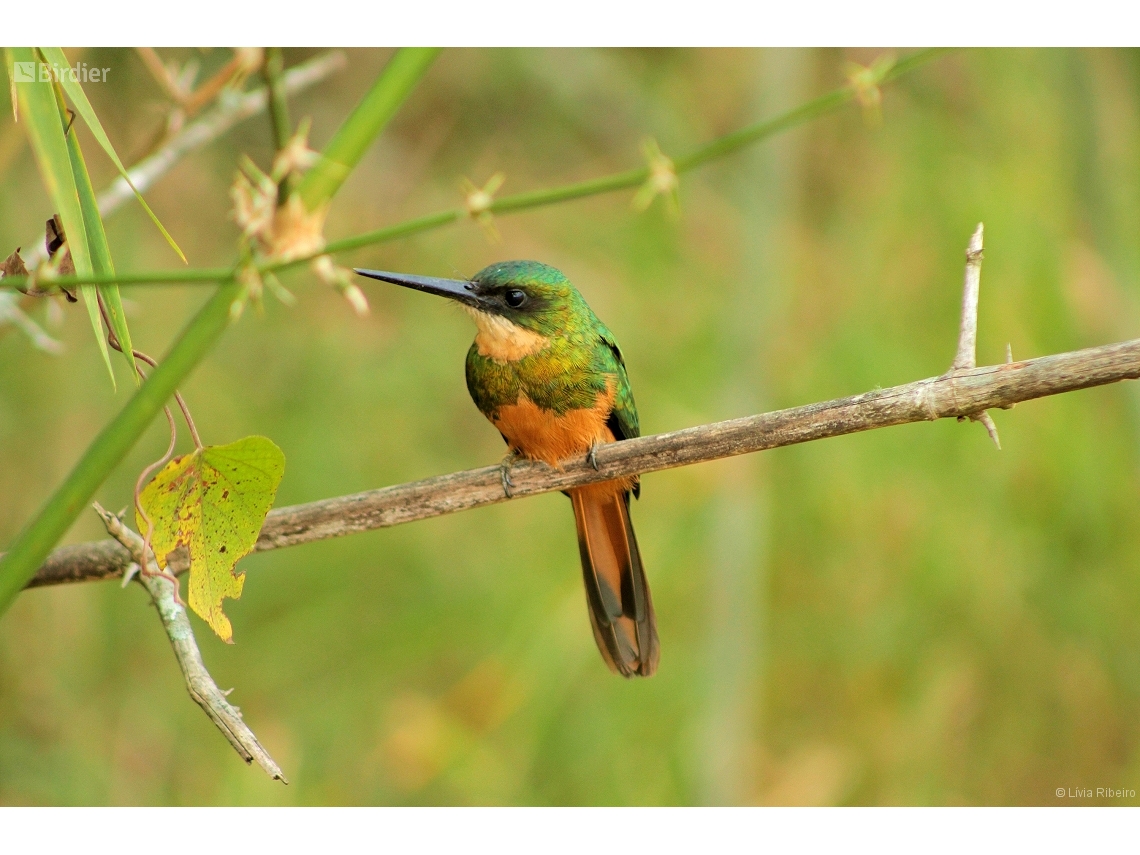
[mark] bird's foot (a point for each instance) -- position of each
(592, 456)
(505, 472)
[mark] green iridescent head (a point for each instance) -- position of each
(529, 294)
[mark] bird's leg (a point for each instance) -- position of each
(592, 456)
(505, 471)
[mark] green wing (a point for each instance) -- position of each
(623, 420)
(623, 417)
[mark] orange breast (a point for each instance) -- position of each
(549, 436)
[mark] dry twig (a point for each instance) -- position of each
(962, 392)
(199, 683)
(966, 357)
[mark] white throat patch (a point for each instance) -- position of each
(502, 340)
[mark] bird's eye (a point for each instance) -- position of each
(515, 298)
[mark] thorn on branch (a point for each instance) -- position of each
(199, 683)
(966, 357)
(989, 425)
(1009, 361)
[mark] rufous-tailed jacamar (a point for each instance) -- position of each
(549, 375)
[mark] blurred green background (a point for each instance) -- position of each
(907, 616)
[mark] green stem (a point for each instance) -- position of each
(36, 540)
(185, 276)
(589, 187)
(278, 111)
(762, 130)
(19, 564)
(278, 106)
(911, 61)
(404, 229)
(345, 149)
(534, 199)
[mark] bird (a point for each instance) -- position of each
(549, 375)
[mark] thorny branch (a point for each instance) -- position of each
(199, 683)
(965, 391)
(966, 357)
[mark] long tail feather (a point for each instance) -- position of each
(617, 594)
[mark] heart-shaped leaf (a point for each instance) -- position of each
(213, 502)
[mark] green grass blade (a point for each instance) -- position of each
(43, 122)
(717, 148)
(37, 538)
(97, 243)
(78, 97)
(91, 301)
(371, 115)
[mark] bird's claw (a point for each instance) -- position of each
(592, 457)
(505, 474)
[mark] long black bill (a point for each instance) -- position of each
(455, 289)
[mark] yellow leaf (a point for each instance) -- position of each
(213, 502)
